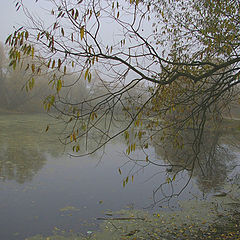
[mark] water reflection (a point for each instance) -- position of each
(50, 180)
(20, 164)
(209, 166)
(22, 146)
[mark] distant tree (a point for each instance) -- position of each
(3, 73)
(182, 56)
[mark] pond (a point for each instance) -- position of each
(43, 189)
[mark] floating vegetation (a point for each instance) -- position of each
(69, 208)
(216, 218)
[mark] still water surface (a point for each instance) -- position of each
(43, 189)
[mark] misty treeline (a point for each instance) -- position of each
(22, 91)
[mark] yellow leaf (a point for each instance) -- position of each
(89, 77)
(59, 85)
(33, 81)
(86, 74)
(33, 68)
(74, 137)
(32, 52)
(81, 32)
(53, 63)
(26, 35)
(168, 180)
(92, 116)
(174, 177)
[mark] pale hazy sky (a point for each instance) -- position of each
(8, 18)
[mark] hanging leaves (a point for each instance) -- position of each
(32, 52)
(59, 85)
(59, 63)
(86, 74)
(82, 32)
(53, 64)
(33, 67)
(26, 35)
(93, 116)
(62, 31)
(76, 14)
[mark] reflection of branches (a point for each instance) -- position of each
(177, 96)
(207, 162)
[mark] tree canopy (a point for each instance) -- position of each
(166, 66)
